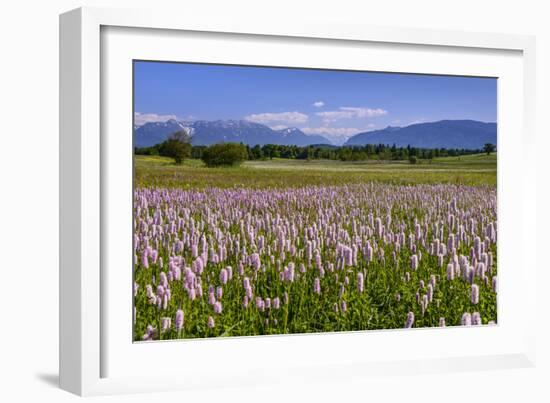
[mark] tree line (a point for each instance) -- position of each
(352, 153)
(178, 146)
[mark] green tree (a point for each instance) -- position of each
(345, 154)
(271, 151)
(196, 152)
(178, 147)
(224, 154)
(257, 152)
(488, 148)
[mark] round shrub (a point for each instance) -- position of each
(224, 154)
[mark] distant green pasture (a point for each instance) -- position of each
(477, 169)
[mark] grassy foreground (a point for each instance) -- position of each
(479, 169)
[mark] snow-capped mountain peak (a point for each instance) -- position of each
(210, 132)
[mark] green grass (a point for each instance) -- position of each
(478, 169)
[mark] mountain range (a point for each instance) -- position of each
(204, 132)
(468, 134)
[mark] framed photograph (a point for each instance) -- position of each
(242, 203)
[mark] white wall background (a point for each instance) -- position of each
(29, 201)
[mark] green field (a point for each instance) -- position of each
(478, 169)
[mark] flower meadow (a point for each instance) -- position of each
(315, 258)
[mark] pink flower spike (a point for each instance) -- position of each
(166, 324)
(466, 319)
(474, 294)
(410, 320)
(317, 286)
(179, 320)
(360, 282)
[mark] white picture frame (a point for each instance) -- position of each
(87, 187)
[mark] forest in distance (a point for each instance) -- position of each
(327, 152)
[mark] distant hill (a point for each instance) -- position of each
(204, 132)
(468, 134)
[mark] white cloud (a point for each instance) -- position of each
(338, 135)
(364, 112)
(318, 104)
(290, 118)
(349, 112)
(142, 118)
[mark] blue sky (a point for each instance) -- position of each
(335, 104)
